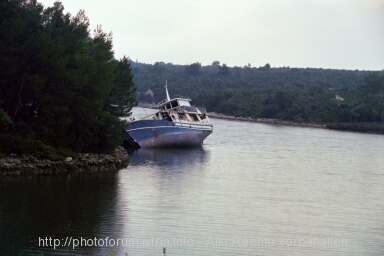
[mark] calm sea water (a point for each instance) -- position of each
(252, 189)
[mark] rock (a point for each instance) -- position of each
(27, 165)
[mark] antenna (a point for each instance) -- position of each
(166, 90)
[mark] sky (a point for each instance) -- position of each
(329, 34)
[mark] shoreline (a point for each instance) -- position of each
(28, 165)
(348, 127)
(371, 128)
(249, 119)
(267, 121)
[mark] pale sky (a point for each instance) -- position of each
(337, 34)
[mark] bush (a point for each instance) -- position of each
(28, 146)
(5, 121)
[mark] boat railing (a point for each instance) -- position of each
(189, 123)
(196, 122)
(145, 116)
(162, 102)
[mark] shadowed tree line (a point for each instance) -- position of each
(61, 89)
(300, 95)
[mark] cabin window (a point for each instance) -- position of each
(183, 103)
(195, 118)
(188, 117)
(171, 105)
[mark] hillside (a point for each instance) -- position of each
(294, 94)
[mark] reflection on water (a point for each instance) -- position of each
(77, 205)
(159, 190)
(169, 157)
(251, 189)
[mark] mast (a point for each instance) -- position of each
(166, 91)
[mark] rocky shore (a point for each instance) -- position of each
(28, 165)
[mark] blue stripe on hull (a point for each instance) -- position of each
(161, 133)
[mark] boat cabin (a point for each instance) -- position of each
(179, 109)
(174, 103)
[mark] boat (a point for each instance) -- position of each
(175, 124)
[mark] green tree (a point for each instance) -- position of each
(5, 121)
(382, 116)
(193, 69)
(122, 95)
(224, 70)
(59, 84)
(374, 83)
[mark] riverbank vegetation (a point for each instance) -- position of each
(61, 89)
(292, 94)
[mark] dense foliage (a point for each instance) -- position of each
(300, 95)
(60, 85)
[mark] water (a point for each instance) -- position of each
(252, 189)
